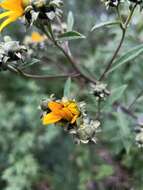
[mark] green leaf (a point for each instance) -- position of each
(67, 88)
(70, 21)
(51, 134)
(104, 171)
(70, 35)
(104, 25)
(125, 132)
(116, 93)
(128, 56)
(123, 122)
(25, 65)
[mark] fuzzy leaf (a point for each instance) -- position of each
(67, 88)
(125, 132)
(70, 35)
(70, 21)
(97, 26)
(128, 56)
(25, 65)
(117, 93)
(104, 171)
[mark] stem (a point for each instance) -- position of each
(119, 14)
(114, 56)
(98, 109)
(75, 65)
(27, 75)
(125, 110)
(124, 29)
(130, 16)
(135, 99)
(70, 58)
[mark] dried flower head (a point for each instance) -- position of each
(10, 51)
(86, 131)
(100, 91)
(43, 10)
(112, 3)
(139, 138)
(139, 131)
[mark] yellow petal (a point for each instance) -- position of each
(14, 5)
(74, 119)
(67, 114)
(54, 106)
(74, 109)
(7, 22)
(50, 118)
(5, 14)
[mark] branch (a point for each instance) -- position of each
(136, 98)
(27, 75)
(125, 110)
(114, 56)
(124, 29)
(69, 57)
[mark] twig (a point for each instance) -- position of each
(125, 110)
(135, 99)
(27, 75)
(119, 14)
(124, 29)
(70, 58)
(114, 56)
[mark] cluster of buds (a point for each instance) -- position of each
(10, 51)
(115, 3)
(86, 131)
(100, 91)
(43, 10)
(139, 132)
(71, 116)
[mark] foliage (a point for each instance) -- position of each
(36, 157)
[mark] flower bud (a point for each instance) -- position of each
(99, 91)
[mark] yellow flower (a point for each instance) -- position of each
(37, 38)
(15, 9)
(64, 110)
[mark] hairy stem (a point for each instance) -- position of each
(114, 56)
(69, 57)
(135, 99)
(27, 75)
(124, 29)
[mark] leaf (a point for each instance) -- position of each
(104, 25)
(51, 134)
(125, 132)
(70, 21)
(104, 171)
(70, 35)
(25, 65)
(67, 88)
(117, 93)
(128, 56)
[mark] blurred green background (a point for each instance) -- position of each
(35, 157)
